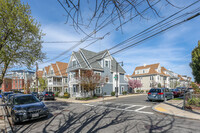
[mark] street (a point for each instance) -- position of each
(131, 114)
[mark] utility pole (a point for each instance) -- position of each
(117, 78)
(37, 76)
(116, 88)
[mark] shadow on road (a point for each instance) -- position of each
(94, 119)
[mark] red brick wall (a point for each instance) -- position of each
(7, 85)
(17, 83)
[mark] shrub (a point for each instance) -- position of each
(124, 92)
(138, 91)
(112, 93)
(104, 93)
(194, 101)
(147, 91)
(56, 94)
(142, 91)
(66, 95)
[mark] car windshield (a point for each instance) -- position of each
(7, 93)
(25, 100)
(155, 90)
(173, 89)
(34, 92)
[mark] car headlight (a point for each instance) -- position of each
(20, 111)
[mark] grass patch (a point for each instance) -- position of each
(177, 99)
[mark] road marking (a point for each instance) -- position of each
(161, 109)
(130, 106)
(126, 109)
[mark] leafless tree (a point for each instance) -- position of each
(107, 11)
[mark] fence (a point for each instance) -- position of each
(191, 100)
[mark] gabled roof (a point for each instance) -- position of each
(152, 69)
(55, 69)
(39, 74)
(62, 67)
(47, 69)
(181, 78)
(89, 60)
(162, 71)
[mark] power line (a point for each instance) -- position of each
(85, 38)
(135, 44)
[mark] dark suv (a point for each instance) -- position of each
(48, 95)
(26, 107)
(4, 96)
(160, 94)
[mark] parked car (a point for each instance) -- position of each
(177, 92)
(4, 96)
(159, 94)
(26, 107)
(35, 94)
(190, 90)
(48, 95)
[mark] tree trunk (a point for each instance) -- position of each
(4, 72)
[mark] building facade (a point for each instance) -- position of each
(21, 79)
(6, 85)
(154, 75)
(101, 63)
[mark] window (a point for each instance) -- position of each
(107, 79)
(74, 63)
(51, 71)
(98, 90)
(16, 81)
(143, 71)
(137, 72)
(65, 80)
(6, 85)
(106, 63)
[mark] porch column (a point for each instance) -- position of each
(63, 82)
(79, 74)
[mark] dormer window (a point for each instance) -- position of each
(143, 71)
(106, 63)
(74, 63)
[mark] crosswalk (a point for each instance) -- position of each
(121, 107)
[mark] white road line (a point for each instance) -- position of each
(126, 109)
(141, 108)
(130, 107)
(88, 105)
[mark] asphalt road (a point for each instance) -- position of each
(132, 114)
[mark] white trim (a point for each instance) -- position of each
(85, 59)
(77, 61)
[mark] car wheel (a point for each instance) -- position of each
(14, 119)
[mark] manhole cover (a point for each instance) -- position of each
(153, 127)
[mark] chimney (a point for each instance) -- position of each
(144, 65)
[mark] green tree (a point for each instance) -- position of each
(195, 64)
(159, 85)
(43, 84)
(20, 36)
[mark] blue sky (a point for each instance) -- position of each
(172, 48)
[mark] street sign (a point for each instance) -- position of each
(116, 77)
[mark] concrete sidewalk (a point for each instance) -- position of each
(174, 107)
(4, 124)
(73, 100)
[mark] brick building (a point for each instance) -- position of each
(6, 85)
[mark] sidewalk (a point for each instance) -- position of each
(72, 100)
(4, 124)
(174, 107)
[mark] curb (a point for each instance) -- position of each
(88, 101)
(171, 114)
